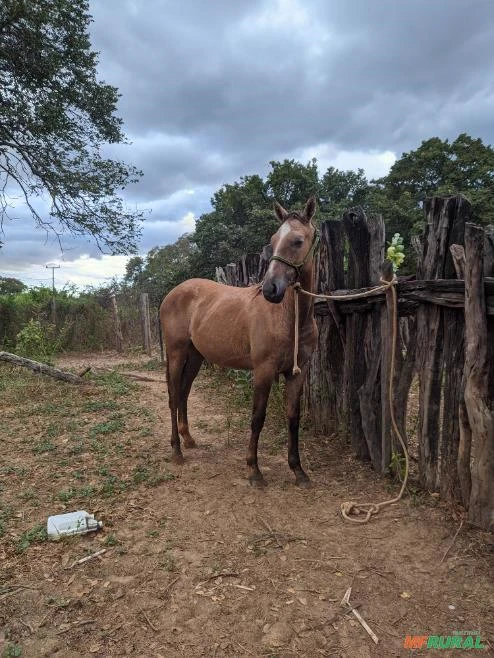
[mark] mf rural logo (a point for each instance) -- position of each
(459, 640)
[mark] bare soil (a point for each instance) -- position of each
(197, 562)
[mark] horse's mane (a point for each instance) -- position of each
(294, 215)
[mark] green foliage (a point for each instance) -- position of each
(397, 465)
(54, 118)
(241, 222)
(111, 540)
(464, 166)
(10, 286)
(35, 535)
(340, 190)
(12, 650)
(161, 270)
(292, 183)
(5, 516)
(38, 342)
(84, 319)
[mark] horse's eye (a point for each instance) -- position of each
(298, 242)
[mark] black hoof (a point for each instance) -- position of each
(178, 458)
(257, 481)
(303, 482)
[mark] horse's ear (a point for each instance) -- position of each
(310, 209)
(280, 212)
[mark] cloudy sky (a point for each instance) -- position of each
(213, 90)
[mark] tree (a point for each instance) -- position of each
(11, 286)
(340, 190)
(54, 118)
(134, 270)
(292, 183)
(241, 221)
(161, 270)
(465, 166)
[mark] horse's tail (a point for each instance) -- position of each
(160, 333)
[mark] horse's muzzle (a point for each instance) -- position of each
(273, 291)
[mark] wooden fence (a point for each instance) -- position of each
(446, 342)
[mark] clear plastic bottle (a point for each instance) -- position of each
(73, 523)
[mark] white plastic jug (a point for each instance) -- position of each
(73, 523)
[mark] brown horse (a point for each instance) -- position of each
(247, 328)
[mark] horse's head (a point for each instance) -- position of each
(293, 247)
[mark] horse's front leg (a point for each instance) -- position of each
(294, 384)
(263, 381)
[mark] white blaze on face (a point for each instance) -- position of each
(284, 230)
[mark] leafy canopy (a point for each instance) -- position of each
(161, 270)
(55, 117)
(242, 220)
(11, 286)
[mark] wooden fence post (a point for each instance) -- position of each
(440, 354)
(479, 381)
(116, 324)
(323, 386)
(370, 393)
(145, 322)
(358, 276)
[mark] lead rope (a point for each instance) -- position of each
(350, 507)
(296, 370)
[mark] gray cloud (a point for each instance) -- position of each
(214, 90)
(223, 88)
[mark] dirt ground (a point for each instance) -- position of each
(198, 563)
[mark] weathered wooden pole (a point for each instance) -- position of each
(116, 324)
(373, 414)
(355, 369)
(387, 337)
(440, 350)
(479, 384)
(145, 322)
(322, 398)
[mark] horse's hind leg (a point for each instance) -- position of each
(191, 368)
(294, 384)
(263, 380)
(175, 363)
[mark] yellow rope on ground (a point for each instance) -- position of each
(353, 507)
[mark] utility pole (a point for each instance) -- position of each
(53, 267)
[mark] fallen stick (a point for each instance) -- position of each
(74, 624)
(87, 558)
(131, 375)
(451, 545)
(15, 590)
(41, 368)
(169, 586)
(272, 533)
(345, 603)
(224, 574)
(151, 625)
